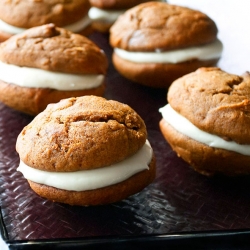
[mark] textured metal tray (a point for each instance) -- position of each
(180, 208)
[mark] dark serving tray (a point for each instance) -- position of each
(180, 209)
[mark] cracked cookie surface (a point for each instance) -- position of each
(175, 27)
(27, 14)
(81, 133)
(51, 48)
(214, 101)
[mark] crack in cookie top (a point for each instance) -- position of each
(81, 133)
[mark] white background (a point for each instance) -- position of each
(232, 18)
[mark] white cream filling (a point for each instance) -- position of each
(108, 16)
(184, 126)
(74, 27)
(205, 52)
(91, 179)
(39, 78)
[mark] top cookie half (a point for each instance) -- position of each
(175, 27)
(51, 48)
(214, 101)
(81, 133)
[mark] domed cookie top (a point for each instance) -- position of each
(158, 25)
(214, 101)
(81, 133)
(51, 48)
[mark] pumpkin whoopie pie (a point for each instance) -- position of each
(46, 64)
(86, 151)
(207, 121)
(156, 42)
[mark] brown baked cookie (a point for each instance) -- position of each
(50, 64)
(213, 109)
(34, 100)
(155, 43)
(4, 36)
(82, 135)
(28, 14)
(104, 13)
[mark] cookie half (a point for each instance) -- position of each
(207, 122)
(155, 43)
(86, 151)
(46, 64)
(17, 16)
